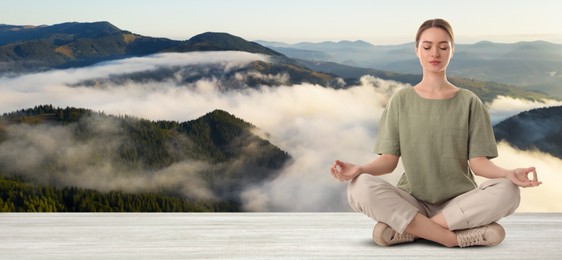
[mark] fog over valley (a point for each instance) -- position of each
(315, 124)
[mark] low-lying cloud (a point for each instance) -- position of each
(504, 107)
(316, 125)
(51, 155)
(546, 197)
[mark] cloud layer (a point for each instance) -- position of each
(504, 107)
(316, 125)
(51, 155)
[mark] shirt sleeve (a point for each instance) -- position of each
(481, 139)
(388, 138)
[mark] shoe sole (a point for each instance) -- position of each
(378, 233)
(501, 232)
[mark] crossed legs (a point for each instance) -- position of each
(403, 213)
(431, 229)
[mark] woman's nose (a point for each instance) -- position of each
(435, 53)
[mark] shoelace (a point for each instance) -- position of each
(472, 238)
(400, 238)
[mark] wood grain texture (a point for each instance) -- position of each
(249, 236)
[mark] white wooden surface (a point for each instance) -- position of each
(248, 236)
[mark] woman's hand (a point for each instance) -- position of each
(344, 171)
(520, 177)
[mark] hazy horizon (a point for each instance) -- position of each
(507, 39)
(292, 21)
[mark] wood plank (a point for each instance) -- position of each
(248, 235)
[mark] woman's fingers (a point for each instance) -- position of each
(522, 177)
(334, 169)
(536, 178)
(337, 170)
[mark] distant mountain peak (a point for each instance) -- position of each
(219, 36)
(87, 30)
(357, 43)
(224, 41)
(221, 115)
(484, 43)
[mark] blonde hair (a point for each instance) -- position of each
(435, 23)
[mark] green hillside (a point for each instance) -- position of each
(28, 49)
(65, 45)
(56, 33)
(236, 157)
(19, 196)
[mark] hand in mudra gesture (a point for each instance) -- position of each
(344, 171)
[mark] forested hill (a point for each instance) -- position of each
(33, 48)
(215, 41)
(67, 45)
(539, 129)
(210, 158)
(19, 196)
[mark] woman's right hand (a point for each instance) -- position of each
(344, 171)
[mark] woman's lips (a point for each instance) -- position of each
(434, 62)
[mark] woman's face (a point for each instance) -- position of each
(434, 50)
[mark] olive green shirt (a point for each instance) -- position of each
(435, 138)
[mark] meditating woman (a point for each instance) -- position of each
(443, 135)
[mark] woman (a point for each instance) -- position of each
(443, 135)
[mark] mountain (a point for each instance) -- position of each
(66, 45)
(63, 147)
(487, 91)
(530, 65)
(355, 53)
(213, 41)
(32, 48)
(539, 129)
(25, 49)
(13, 33)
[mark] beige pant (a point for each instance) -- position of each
(381, 201)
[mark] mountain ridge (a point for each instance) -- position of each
(64, 49)
(532, 65)
(234, 156)
(15, 33)
(487, 91)
(78, 44)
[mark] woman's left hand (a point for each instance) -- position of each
(520, 177)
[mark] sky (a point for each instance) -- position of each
(292, 21)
